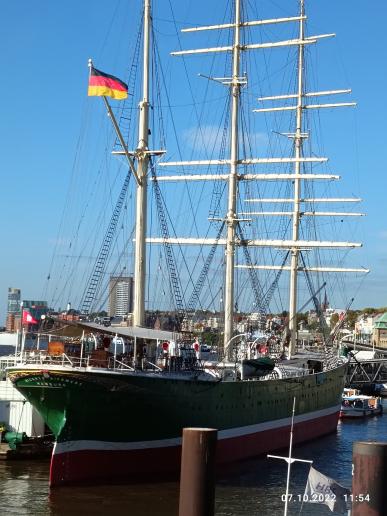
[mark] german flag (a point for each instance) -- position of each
(101, 83)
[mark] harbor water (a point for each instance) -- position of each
(254, 487)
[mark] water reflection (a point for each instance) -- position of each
(250, 488)
(139, 500)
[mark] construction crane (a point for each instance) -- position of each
(322, 322)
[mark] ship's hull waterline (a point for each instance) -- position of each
(113, 426)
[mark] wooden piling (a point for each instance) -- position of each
(369, 480)
(197, 477)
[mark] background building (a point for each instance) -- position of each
(36, 309)
(380, 331)
(120, 295)
(14, 296)
(13, 309)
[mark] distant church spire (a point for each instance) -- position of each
(325, 304)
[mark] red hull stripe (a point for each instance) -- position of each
(108, 464)
(73, 446)
(98, 73)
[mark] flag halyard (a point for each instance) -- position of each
(103, 84)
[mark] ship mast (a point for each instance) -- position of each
(231, 220)
(142, 155)
(298, 141)
(141, 194)
(294, 244)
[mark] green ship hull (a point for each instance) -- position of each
(112, 425)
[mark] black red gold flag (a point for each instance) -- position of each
(101, 83)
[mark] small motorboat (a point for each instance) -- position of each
(355, 405)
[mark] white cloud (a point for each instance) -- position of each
(209, 139)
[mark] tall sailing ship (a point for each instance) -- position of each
(116, 417)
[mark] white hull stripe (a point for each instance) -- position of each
(84, 445)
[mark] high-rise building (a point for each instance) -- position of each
(14, 295)
(120, 295)
(13, 309)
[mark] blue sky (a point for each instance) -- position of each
(43, 58)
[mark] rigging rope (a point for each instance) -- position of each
(195, 296)
(255, 284)
(175, 284)
(99, 268)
